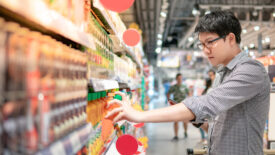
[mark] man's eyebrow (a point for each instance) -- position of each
(209, 38)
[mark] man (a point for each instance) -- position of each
(238, 104)
(180, 92)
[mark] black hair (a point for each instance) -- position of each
(212, 70)
(221, 23)
(179, 74)
(208, 83)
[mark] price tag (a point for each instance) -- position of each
(67, 146)
(58, 149)
(75, 142)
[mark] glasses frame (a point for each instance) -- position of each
(203, 45)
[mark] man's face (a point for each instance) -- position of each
(179, 79)
(218, 51)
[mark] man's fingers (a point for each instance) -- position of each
(116, 110)
(118, 118)
(115, 101)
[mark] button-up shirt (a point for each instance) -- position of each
(238, 106)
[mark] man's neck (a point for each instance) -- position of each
(235, 53)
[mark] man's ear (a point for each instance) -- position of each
(232, 38)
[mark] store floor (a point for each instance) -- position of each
(160, 135)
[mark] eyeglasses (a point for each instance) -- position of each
(208, 44)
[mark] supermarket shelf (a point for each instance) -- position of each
(110, 16)
(112, 142)
(113, 151)
(101, 84)
(72, 143)
(134, 86)
(111, 148)
(123, 85)
(114, 138)
(118, 29)
(38, 12)
(121, 47)
(131, 86)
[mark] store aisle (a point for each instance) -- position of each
(160, 135)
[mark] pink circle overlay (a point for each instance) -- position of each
(131, 37)
(117, 5)
(127, 145)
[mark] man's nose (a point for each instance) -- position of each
(206, 50)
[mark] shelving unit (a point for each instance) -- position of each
(118, 28)
(71, 143)
(102, 84)
(37, 12)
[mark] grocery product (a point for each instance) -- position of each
(45, 89)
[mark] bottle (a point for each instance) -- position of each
(1, 134)
(3, 38)
(31, 135)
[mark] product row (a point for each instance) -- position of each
(43, 89)
(79, 12)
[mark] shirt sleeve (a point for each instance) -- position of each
(246, 82)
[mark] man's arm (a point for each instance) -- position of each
(243, 85)
(178, 112)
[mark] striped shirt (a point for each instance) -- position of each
(238, 106)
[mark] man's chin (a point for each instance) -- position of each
(214, 64)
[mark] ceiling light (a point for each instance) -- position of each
(273, 14)
(207, 12)
(256, 28)
(158, 50)
(163, 14)
(244, 31)
(159, 42)
(245, 48)
(194, 12)
(160, 36)
(190, 39)
(267, 39)
(251, 45)
(255, 13)
(196, 9)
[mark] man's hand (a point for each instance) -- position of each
(125, 111)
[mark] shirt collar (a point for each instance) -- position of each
(232, 63)
(235, 61)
